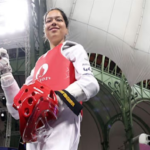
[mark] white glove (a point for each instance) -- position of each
(5, 67)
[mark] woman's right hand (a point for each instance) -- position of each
(5, 67)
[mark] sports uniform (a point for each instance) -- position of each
(71, 69)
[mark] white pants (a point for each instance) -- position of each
(65, 134)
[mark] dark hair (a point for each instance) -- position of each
(62, 13)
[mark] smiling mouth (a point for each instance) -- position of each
(54, 29)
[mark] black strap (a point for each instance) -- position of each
(70, 101)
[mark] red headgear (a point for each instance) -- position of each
(38, 108)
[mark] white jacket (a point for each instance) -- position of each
(83, 89)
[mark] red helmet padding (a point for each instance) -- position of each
(37, 105)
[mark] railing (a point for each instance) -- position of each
(105, 64)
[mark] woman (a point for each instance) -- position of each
(65, 66)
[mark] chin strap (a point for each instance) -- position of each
(70, 101)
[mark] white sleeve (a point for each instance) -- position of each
(83, 73)
(11, 91)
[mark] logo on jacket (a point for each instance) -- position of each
(87, 69)
(40, 75)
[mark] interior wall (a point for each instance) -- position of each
(117, 136)
(90, 137)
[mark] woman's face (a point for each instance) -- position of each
(55, 27)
